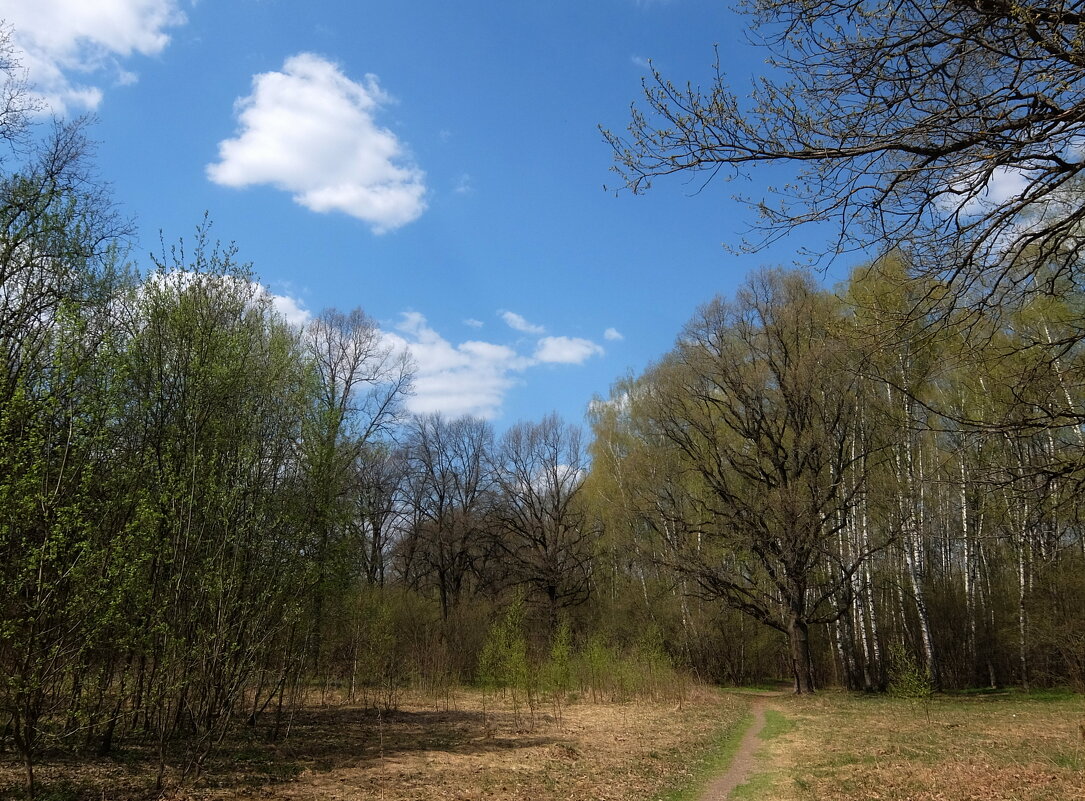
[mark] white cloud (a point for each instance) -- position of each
(290, 309)
(463, 185)
(473, 377)
(518, 323)
(473, 323)
(1005, 184)
(566, 350)
(469, 378)
(65, 45)
(311, 131)
(613, 335)
(127, 78)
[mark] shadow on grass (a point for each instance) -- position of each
(319, 740)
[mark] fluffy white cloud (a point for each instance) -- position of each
(290, 309)
(518, 323)
(311, 131)
(66, 44)
(566, 350)
(473, 377)
(613, 335)
(469, 378)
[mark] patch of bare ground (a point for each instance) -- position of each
(464, 746)
(743, 762)
(855, 748)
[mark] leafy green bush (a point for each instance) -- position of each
(909, 680)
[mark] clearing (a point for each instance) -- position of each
(1003, 746)
(742, 746)
(461, 745)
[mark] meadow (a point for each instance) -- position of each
(464, 743)
(997, 746)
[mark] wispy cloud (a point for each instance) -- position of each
(311, 131)
(69, 46)
(613, 335)
(474, 377)
(518, 323)
(463, 185)
(566, 350)
(473, 323)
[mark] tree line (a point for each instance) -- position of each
(207, 512)
(940, 455)
(826, 460)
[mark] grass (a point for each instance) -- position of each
(458, 749)
(1006, 746)
(974, 747)
(759, 688)
(712, 761)
(762, 782)
(776, 723)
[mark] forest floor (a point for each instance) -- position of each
(774, 746)
(459, 746)
(1003, 746)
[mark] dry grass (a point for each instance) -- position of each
(988, 748)
(458, 748)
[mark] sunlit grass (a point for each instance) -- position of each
(996, 747)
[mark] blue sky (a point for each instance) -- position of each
(437, 164)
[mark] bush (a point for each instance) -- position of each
(908, 680)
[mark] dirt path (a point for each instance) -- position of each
(743, 762)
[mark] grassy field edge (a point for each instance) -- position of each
(711, 762)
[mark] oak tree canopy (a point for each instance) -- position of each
(952, 129)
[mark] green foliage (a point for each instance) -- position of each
(606, 672)
(368, 650)
(503, 663)
(907, 679)
(557, 672)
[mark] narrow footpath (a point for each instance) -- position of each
(743, 762)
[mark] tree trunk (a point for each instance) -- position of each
(23, 736)
(1022, 616)
(799, 636)
(913, 561)
(553, 609)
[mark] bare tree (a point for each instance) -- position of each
(380, 474)
(450, 487)
(57, 226)
(362, 380)
(17, 102)
(547, 538)
(951, 128)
